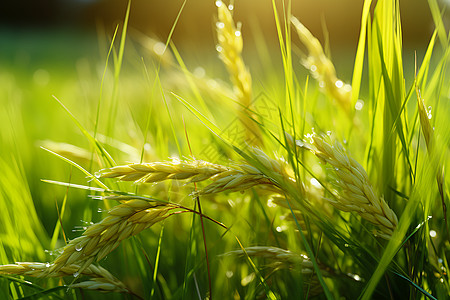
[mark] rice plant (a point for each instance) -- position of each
(239, 188)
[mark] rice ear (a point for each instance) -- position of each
(230, 46)
(356, 192)
(321, 67)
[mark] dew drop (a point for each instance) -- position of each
(159, 48)
(329, 133)
(270, 203)
(230, 7)
(310, 136)
(313, 68)
(346, 245)
(218, 3)
(322, 84)
(237, 33)
(78, 248)
(47, 265)
(440, 260)
(99, 210)
(246, 280)
(200, 73)
(354, 276)
(229, 274)
(76, 274)
(339, 84)
(220, 25)
(219, 48)
(359, 104)
(212, 83)
(433, 233)
(315, 183)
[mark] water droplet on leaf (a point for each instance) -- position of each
(339, 84)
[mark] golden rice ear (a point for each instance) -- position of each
(237, 178)
(126, 219)
(321, 67)
(196, 170)
(277, 259)
(230, 46)
(98, 284)
(356, 193)
(280, 255)
(101, 279)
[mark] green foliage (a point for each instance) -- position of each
(143, 110)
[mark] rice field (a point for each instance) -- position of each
(133, 172)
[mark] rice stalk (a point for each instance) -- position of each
(126, 219)
(321, 67)
(356, 193)
(230, 46)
